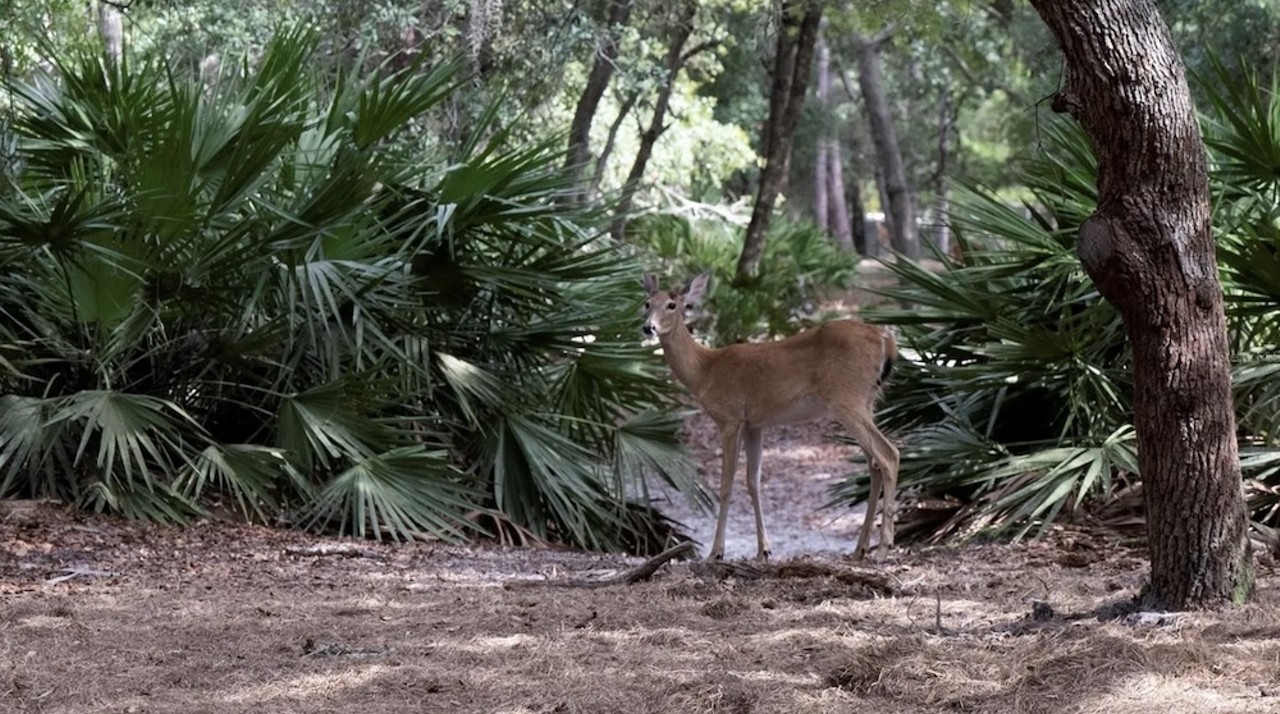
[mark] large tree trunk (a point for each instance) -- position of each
(1149, 249)
(675, 61)
(899, 210)
(606, 57)
(793, 59)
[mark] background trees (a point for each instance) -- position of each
(390, 229)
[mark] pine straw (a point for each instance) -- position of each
(231, 619)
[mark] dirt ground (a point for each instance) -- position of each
(101, 615)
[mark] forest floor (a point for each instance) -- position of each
(102, 615)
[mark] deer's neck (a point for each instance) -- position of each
(685, 356)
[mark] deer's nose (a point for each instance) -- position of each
(648, 329)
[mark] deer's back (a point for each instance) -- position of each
(795, 378)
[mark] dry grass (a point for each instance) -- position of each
(221, 618)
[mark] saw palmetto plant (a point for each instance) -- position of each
(268, 292)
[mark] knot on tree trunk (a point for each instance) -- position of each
(1097, 246)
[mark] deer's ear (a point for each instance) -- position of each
(697, 288)
(650, 283)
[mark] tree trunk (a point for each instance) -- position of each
(899, 210)
(942, 184)
(111, 27)
(822, 154)
(793, 59)
(858, 221)
(606, 56)
(1149, 249)
(841, 228)
(675, 60)
(605, 151)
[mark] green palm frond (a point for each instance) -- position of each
(403, 493)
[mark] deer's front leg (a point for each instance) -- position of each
(728, 467)
(754, 445)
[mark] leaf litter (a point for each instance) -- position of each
(229, 617)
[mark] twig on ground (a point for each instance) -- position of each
(343, 550)
(644, 571)
(77, 572)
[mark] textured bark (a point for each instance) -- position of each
(675, 60)
(899, 211)
(1149, 249)
(793, 60)
(606, 57)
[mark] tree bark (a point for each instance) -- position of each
(899, 211)
(606, 57)
(675, 60)
(1149, 248)
(793, 60)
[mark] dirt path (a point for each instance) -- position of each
(801, 463)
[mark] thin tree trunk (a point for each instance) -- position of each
(1149, 248)
(942, 183)
(111, 27)
(606, 56)
(607, 150)
(822, 154)
(675, 60)
(793, 59)
(858, 221)
(840, 225)
(899, 209)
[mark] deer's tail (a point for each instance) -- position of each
(888, 353)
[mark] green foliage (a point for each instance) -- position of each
(1014, 399)
(800, 264)
(256, 292)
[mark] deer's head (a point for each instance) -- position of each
(666, 311)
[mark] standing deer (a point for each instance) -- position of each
(833, 370)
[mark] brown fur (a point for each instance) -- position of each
(835, 369)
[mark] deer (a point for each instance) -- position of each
(834, 370)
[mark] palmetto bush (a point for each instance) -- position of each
(1015, 407)
(260, 293)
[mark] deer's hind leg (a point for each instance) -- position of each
(882, 460)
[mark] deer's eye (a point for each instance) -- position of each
(646, 304)
(671, 305)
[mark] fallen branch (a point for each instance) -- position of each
(644, 571)
(77, 572)
(342, 550)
